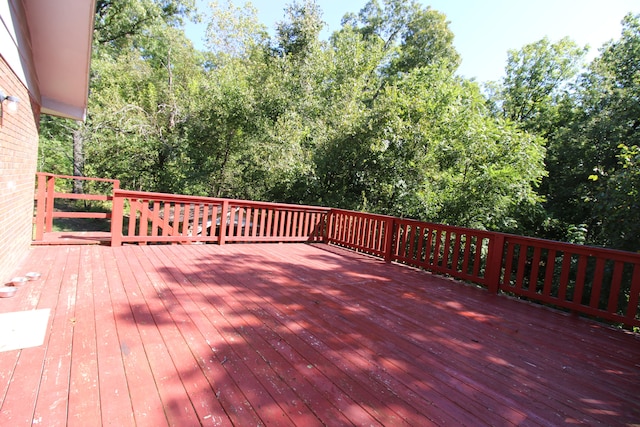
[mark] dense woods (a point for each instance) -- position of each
(374, 118)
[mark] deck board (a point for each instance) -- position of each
(295, 334)
(53, 394)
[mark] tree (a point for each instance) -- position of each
(298, 35)
(536, 95)
(413, 36)
(140, 101)
(128, 33)
(449, 160)
(535, 81)
(117, 22)
(373, 119)
(591, 125)
(233, 31)
(607, 128)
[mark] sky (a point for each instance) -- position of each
(485, 30)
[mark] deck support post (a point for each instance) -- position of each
(389, 226)
(117, 214)
(494, 262)
(223, 222)
(51, 188)
(328, 229)
(40, 206)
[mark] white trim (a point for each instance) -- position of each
(56, 108)
(47, 44)
(13, 34)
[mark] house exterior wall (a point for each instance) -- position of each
(18, 161)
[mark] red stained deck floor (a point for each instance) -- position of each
(293, 334)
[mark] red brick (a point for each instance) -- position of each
(18, 160)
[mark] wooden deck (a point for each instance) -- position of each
(295, 334)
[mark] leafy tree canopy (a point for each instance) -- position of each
(373, 118)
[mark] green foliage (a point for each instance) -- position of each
(373, 118)
(592, 165)
(590, 122)
(55, 152)
(412, 36)
(298, 35)
(234, 31)
(537, 77)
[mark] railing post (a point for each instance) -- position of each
(494, 262)
(389, 225)
(117, 214)
(223, 222)
(49, 201)
(40, 205)
(328, 228)
(634, 296)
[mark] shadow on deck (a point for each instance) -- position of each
(299, 334)
(74, 238)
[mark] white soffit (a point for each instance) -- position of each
(61, 32)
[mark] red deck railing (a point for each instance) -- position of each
(596, 282)
(159, 217)
(46, 195)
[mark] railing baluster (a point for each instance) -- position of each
(205, 231)
(263, 223)
(305, 226)
(477, 262)
(456, 252)
(294, 222)
(195, 224)
(224, 214)
(550, 269)
(154, 220)
(535, 266)
(166, 231)
(269, 226)
(388, 239)
(520, 269)
(564, 275)
(580, 278)
(420, 237)
(282, 223)
(466, 253)
(143, 228)
(634, 297)
(51, 187)
(596, 287)
(612, 307)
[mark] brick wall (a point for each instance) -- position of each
(18, 160)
